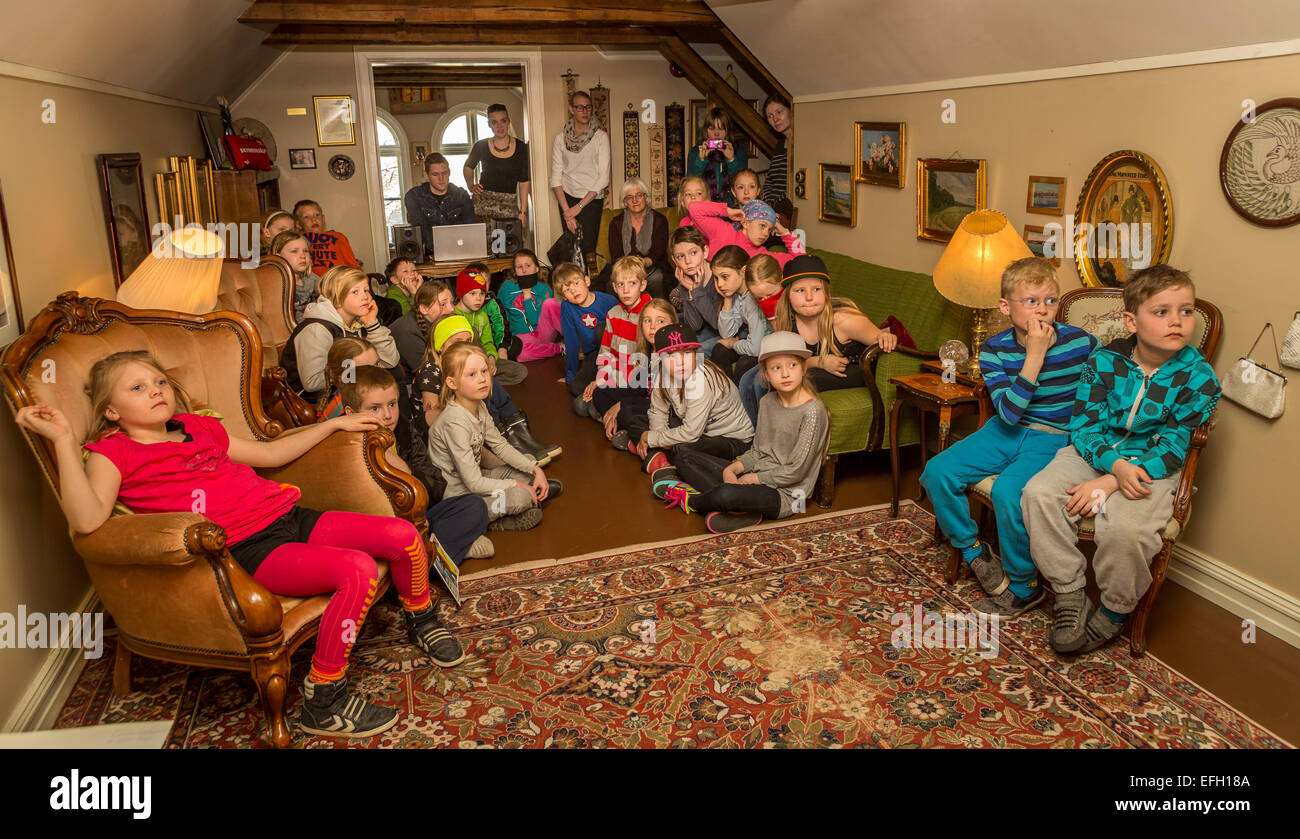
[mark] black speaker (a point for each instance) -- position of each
(509, 243)
(408, 239)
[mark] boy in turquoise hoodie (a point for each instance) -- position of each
(1139, 401)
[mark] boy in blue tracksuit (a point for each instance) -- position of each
(1031, 371)
(1139, 402)
(582, 319)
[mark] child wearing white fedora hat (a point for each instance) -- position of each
(776, 476)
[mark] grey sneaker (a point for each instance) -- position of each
(1008, 605)
(619, 440)
(332, 710)
(481, 549)
(988, 570)
(1069, 621)
(526, 520)
(1099, 632)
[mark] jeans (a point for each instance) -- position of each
(752, 389)
(456, 523)
(499, 404)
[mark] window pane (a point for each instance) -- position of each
(386, 137)
(393, 214)
(390, 175)
(457, 162)
(457, 132)
(481, 126)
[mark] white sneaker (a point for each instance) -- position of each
(481, 549)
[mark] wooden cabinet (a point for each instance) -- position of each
(246, 195)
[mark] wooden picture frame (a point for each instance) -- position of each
(1250, 181)
(126, 215)
(946, 191)
(213, 132)
(335, 120)
(167, 187)
(11, 305)
(1037, 238)
(880, 153)
(302, 158)
(1046, 195)
(833, 181)
(1125, 188)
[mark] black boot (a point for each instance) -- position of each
(515, 430)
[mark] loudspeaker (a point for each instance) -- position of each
(508, 244)
(408, 239)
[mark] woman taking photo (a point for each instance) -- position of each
(715, 159)
(580, 170)
(639, 231)
(503, 188)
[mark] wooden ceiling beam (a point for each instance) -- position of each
(449, 77)
(716, 89)
(506, 12)
(751, 65)
(570, 36)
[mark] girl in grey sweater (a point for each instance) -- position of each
(776, 476)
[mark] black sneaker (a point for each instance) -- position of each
(330, 709)
(516, 347)
(730, 522)
(553, 489)
(428, 633)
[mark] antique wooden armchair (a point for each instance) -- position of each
(1100, 311)
(173, 590)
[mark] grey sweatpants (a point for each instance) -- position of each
(1127, 533)
(510, 501)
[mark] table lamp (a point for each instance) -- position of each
(182, 273)
(970, 271)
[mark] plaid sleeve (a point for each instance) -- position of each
(1169, 447)
(1087, 426)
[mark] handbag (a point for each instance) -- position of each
(1254, 386)
(1291, 344)
(568, 248)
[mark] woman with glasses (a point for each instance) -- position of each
(503, 188)
(580, 170)
(639, 231)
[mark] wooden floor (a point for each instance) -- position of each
(607, 505)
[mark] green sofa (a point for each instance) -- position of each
(859, 415)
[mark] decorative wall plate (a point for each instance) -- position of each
(342, 167)
(1259, 168)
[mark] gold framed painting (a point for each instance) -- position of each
(335, 121)
(837, 199)
(1046, 195)
(1124, 220)
(11, 309)
(946, 191)
(880, 153)
(1039, 241)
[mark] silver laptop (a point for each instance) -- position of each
(452, 242)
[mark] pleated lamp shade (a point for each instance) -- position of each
(970, 271)
(181, 274)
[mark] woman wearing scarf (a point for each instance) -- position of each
(580, 170)
(639, 231)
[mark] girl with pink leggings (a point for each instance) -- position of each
(155, 458)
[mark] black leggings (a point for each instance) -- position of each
(703, 471)
(588, 222)
(735, 364)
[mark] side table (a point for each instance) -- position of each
(929, 393)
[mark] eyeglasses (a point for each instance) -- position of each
(1032, 302)
(581, 107)
(635, 196)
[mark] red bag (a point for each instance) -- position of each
(247, 152)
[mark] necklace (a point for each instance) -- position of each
(509, 140)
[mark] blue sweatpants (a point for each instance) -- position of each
(1013, 453)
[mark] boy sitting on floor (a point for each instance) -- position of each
(1137, 405)
(1031, 371)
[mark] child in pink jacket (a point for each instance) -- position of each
(757, 220)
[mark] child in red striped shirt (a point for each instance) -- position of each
(616, 363)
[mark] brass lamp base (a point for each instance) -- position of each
(979, 333)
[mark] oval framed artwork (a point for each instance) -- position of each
(1124, 220)
(1259, 168)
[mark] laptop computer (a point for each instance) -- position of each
(452, 242)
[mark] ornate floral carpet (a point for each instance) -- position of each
(773, 638)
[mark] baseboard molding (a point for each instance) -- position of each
(40, 705)
(1273, 611)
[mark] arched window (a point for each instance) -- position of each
(392, 168)
(457, 132)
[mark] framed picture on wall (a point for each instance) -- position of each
(1039, 241)
(335, 121)
(121, 185)
(880, 153)
(1124, 196)
(946, 190)
(837, 200)
(11, 310)
(1046, 195)
(302, 158)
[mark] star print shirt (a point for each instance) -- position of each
(581, 326)
(196, 475)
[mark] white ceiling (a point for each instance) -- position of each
(820, 46)
(191, 50)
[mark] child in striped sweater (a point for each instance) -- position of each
(1031, 371)
(616, 363)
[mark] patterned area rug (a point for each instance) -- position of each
(774, 638)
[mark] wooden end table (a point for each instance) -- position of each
(929, 393)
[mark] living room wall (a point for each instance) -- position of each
(1181, 117)
(56, 222)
